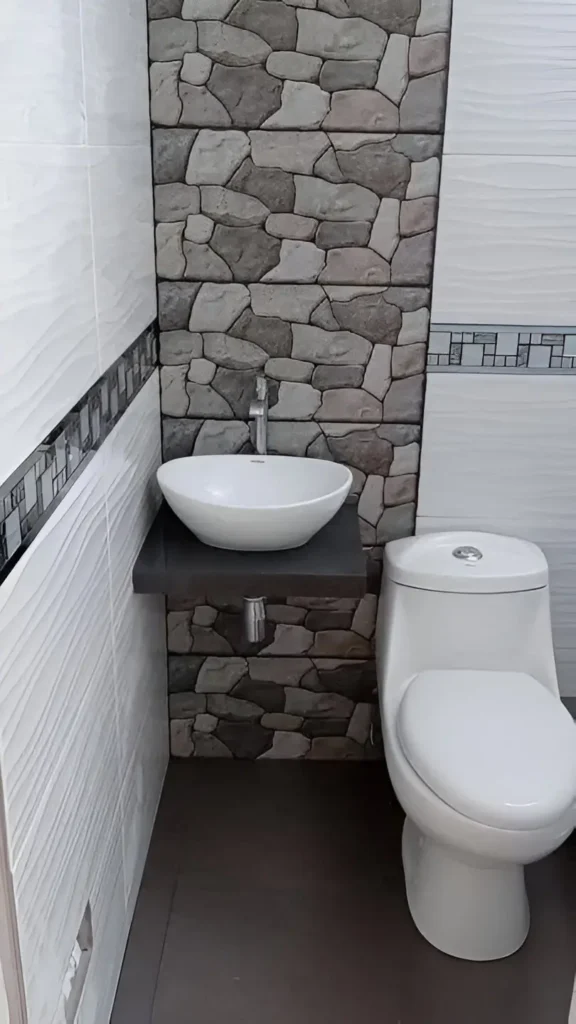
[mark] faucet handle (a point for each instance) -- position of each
(261, 388)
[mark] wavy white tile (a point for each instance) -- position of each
(48, 341)
(512, 83)
(115, 45)
(133, 454)
(41, 88)
(506, 247)
(122, 217)
(58, 731)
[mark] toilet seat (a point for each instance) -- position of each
(496, 746)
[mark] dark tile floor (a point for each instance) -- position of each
(273, 894)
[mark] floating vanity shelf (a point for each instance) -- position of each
(173, 561)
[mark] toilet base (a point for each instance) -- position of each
(473, 911)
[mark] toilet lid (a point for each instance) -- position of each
(496, 746)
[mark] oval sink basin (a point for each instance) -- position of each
(254, 502)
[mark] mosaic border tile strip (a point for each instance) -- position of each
(30, 495)
(499, 349)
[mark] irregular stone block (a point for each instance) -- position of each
(289, 369)
(423, 103)
(298, 402)
(414, 326)
(170, 151)
(434, 17)
(349, 404)
(340, 643)
(209, 746)
(232, 208)
(198, 228)
(273, 21)
(361, 110)
(327, 167)
(362, 265)
(186, 705)
(290, 225)
(290, 640)
(175, 202)
(246, 740)
(330, 347)
(412, 262)
(220, 675)
(394, 15)
(248, 251)
(215, 156)
(287, 745)
(270, 333)
(370, 314)
(281, 671)
(362, 448)
(205, 723)
(371, 501)
(175, 300)
(178, 438)
(424, 179)
(400, 489)
(289, 302)
(323, 317)
(196, 68)
(216, 308)
(165, 102)
(170, 262)
(377, 166)
(269, 698)
(201, 371)
(235, 353)
(360, 723)
(280, 721)
(428, 54)
(408, 359)
(418, 215)
(317, 705)
(299, 261)
(181, 743)
(179, 347)
(396, 522)
(200, 9)
(249, 94)
(403, 402)
(200, 107)
(393, 74)
(339, 234)
(272, 186)
(164, 8)
(378, 372)
(296, 152)
(229, 45)
(348, 39)
(322, 199)
(203, 264)
(171, 38)
(298, 67)
(206, 402)
(348, 74)
(216, 438)
(304, 105)
(326, 377)
(386, 228)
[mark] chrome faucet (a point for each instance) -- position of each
(259, 413)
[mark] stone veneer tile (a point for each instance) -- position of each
(297, 206)
(275, 707)
(332, 354)
(343, 65)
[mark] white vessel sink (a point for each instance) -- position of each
(254, 502)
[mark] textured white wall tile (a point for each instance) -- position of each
(41, 89)
(115, 45)
(121, 197)
(58, 733)
(506, 248)
(48, 343)
(512, 85)
(499, 445)
(133, 455)
(499, 454)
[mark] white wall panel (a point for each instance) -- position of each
(512, 87)
(115, 42)
(506, 248)
(121, 198)
(41, 88)
(48, 343)
(499, 454)
(59, 744)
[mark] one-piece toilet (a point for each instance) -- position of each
(481, 751)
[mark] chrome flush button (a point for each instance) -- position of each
(468, 554)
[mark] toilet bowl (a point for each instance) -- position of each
(480, 750)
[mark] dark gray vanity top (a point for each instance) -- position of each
(173, 561)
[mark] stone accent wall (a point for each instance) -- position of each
(297, 148)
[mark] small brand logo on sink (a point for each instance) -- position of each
(260, 461)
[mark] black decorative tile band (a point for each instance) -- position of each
(497, 349)
(30, 495)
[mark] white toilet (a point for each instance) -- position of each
(480, 750)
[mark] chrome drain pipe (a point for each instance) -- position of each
(254, 619)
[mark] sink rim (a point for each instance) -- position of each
(346, 483)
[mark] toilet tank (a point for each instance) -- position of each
(464, 600)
